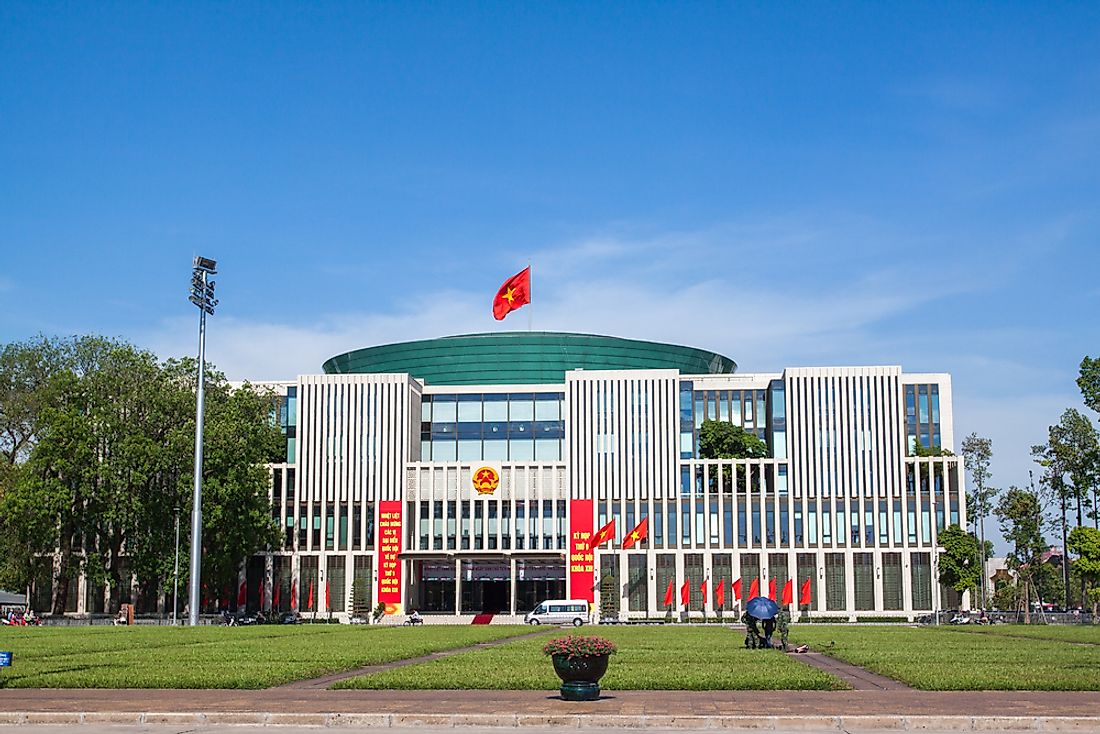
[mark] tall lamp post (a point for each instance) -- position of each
(176, 571)
(202, 295)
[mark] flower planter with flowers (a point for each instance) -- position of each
(580, 662)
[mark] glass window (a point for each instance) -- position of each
(469, 408)
(495, 450)
(426, 408)
(521, 407)
(444, 451)
(521, 449)
(469, 450)
(444, 409)
(547, 407)
(547, 449)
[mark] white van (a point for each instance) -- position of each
(559, 611)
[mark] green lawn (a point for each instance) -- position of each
(1082, 633)
(649, 658)
(947, 659)
(215, 657)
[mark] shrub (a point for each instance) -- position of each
(576, 646)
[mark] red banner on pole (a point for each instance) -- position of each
(582, 559)
(389, 548)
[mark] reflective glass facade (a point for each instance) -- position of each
(492, 427)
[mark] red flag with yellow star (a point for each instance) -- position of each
(604, 534)
(637, 535)
(515, 292)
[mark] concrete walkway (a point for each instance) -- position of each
(825, 710)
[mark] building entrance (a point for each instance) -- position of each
(485, 586)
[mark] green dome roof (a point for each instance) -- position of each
(522, 358)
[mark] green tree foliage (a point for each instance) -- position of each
(977, 454)
(1021, 519)
(960, 562)
(1084, 542)
(1089, 382)
(1071, 457)
(920, 449)
(109, 458)
(721, 440)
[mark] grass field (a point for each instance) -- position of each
(649, 658)
(950, 659)
(1080, 633)
(214, 657)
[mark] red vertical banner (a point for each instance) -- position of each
(582, 568)
(389, 548)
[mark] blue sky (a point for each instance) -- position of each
(803, 184)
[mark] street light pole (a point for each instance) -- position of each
(202, 295)
(176, 571)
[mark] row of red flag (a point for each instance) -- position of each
(242, 596)
(754, 591)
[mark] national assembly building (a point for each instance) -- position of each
(467, 475)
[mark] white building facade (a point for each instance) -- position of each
(466, 475)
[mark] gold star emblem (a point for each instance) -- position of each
(510, 295)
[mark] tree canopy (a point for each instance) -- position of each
(960, 562)
(721, 440)
(100, 437)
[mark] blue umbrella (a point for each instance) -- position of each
(762, 607)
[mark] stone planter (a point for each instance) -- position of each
(580, 676)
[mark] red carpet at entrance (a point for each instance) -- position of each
(482, 619)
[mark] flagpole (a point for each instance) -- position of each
(531, 300)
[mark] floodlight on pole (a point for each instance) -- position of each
(202, 295)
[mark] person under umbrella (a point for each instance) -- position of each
(765, 610)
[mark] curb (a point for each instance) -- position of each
(567, 721)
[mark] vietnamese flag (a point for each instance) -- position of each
(242, 595)
(328, 601)
(604, 534)
(637, 535)
(720, 593)
(275, 601)
(754, 589)
(737, 590)
(309, 603)
(788, 592)
(805, 598)
(294, 595)
(685, 593)
(703, 588)
(515, 292)
(771, 590)
(668, 594)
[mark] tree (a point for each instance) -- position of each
(1085, 543)
(1071, 460)
(1021, 519)
(1089, 383)
(961, 558)
(721, 440)
(920, 449)
(977, 454)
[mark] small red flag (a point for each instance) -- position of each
(604, 534)
(515, 292)
(720, 593)
(275, 601)
(754, 589)
(637, 535)
(788, 592)
(771, 590)
(703, 588)
(685, 593)
(668, 594)
(805, 598)
(328, 602)
(242, 595)
(737, 590)
(309, 602)
(294, 595)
